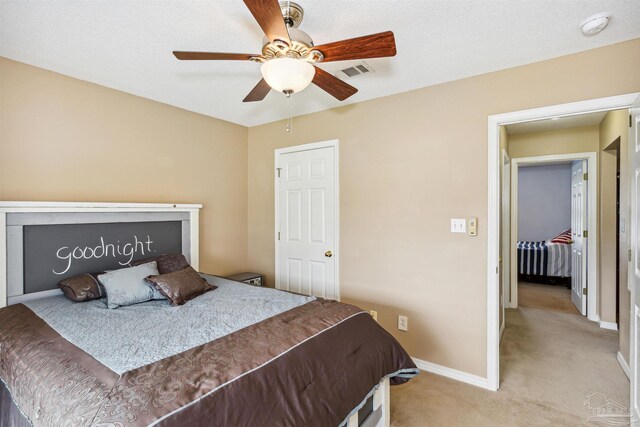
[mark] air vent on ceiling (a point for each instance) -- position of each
(355, 70)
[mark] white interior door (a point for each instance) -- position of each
(578, 228)
(306, 223)
(634, 268)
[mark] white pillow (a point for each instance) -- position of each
(128, 286)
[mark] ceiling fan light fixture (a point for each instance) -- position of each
(288, 75)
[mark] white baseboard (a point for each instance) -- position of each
(625, 366)
(608, 325)
(451, 373)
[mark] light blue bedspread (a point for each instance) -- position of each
(130, 337)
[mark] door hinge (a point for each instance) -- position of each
(585, 176)
(629, 254)
(278, 235)
(584, 291)
(278, 170)
(585, 233)
(630, 120)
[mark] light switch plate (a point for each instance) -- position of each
(473, 226)
(458, 225)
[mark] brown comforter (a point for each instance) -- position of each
(311, 365)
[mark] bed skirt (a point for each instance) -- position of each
(546, 280)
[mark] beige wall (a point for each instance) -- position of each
(562, 141)
(64, 139)
(409, 163)
(612, 127)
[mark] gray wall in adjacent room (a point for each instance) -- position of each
(544, 201)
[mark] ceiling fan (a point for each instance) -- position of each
(289, 56)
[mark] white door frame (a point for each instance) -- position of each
(592, 223)
(493, 217)
(336, 156)
(505, 188)
(633, 144)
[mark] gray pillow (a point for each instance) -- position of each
(128, 286)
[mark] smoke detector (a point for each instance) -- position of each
(594, 24)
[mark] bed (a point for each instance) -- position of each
(237, 355)
(547, 261)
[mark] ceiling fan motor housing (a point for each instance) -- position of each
(292, 13)
(301, 47)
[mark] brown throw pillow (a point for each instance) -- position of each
(167, 263)
(181, 286)
(83, 287)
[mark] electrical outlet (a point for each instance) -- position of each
(403, 323)
(374, 314)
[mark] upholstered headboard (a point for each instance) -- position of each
(41, 243)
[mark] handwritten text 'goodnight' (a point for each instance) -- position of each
(103, 250)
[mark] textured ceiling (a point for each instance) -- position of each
(127, 45)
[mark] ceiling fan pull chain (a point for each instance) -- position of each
(290, 119)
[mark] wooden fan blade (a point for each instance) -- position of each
(270, 19)
(195, 56)
(373, 46)
(259, 92)
(333, 85)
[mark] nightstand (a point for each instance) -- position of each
(250, 278)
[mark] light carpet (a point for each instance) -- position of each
(546, 297)
(553, 363)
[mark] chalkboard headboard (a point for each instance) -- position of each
(54, 252)
(46, 245)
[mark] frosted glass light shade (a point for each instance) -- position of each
(288, 74)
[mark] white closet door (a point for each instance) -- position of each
(307, 222)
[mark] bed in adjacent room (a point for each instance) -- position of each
(547, 261)
(154, 342)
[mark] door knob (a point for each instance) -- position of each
(328, 254)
